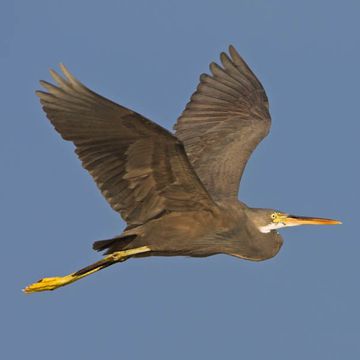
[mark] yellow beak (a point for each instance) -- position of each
(292, 220)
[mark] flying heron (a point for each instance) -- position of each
(176, 192)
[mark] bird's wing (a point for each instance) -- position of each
(226, 118)
(141, 169)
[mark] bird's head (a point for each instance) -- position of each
(268, 219)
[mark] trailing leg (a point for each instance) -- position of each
(53, 283)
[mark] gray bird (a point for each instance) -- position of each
(178, 193)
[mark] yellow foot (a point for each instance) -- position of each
(50, 283)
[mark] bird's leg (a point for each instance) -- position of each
(52, 283)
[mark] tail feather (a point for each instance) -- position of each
(102, 244)
(115, 244)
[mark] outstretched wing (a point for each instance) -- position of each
(226, 118)
(141, 169)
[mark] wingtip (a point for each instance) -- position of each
(39, 93)
(54, 74)
(203, 76)
(233, 52)
(51, 71)
(223, 54)
(43, 83)
(224, 57)
(214, 67)
(62, 67)
(70, 77)
(66, 72)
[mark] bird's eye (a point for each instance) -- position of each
(273, 216)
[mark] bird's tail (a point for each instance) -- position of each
(53, 283)
(115, 244)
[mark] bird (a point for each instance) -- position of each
(176, 191)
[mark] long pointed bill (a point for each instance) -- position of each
(292, 220)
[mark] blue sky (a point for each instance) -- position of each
(148, 56)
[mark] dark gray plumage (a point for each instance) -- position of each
(177, 193)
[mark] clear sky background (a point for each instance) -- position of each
(148, 55)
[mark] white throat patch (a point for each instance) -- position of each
(273, 226)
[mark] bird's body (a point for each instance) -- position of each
(177, 192)
(222, 230)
